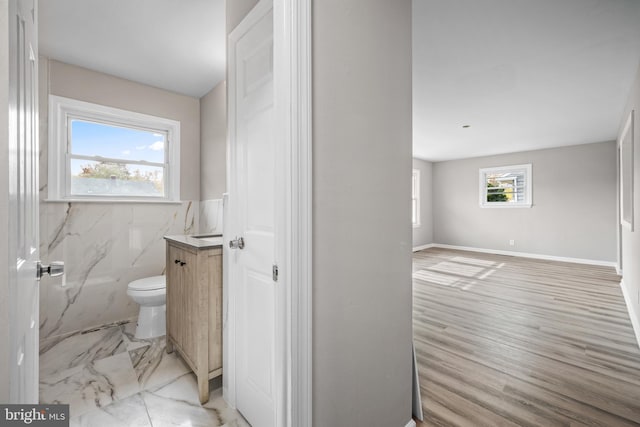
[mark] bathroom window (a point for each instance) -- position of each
(506, 187)
(102, 153)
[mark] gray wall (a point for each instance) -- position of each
(4, 196)
(631, 240)
(213, 143)
(361, 213)
(574, 204)
(423, 235)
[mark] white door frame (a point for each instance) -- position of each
(5, 303)
(292, 86)
(618, 213)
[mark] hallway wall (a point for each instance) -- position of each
(362, 137)
(631, 239)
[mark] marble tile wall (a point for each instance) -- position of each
(107, 245)
(211, 216)
(104, 246)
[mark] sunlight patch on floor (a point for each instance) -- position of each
(473, 261)
(444, 279)
(457, 269)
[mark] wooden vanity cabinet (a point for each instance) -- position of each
(194, 309)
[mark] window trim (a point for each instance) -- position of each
(415, 194)
(59, 184)
(527, 203)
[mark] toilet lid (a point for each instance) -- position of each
(148, 283)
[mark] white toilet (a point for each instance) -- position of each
(150, 293)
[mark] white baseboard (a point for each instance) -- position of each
(421, 247)
(529, 255)
(411, 423)
(635, 321)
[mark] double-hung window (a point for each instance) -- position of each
(506, 187)
(103, 153)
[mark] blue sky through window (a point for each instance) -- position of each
(97, 139)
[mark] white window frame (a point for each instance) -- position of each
(415, 195)
(61, 109)
(526, 203)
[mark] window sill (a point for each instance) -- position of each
(114, 201)
(503, 206)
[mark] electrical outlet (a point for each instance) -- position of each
(512, 242)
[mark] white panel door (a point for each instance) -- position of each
(23, 200)
(252, 206)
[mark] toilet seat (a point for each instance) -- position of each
(149, 284)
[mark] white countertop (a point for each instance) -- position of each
(198, 241)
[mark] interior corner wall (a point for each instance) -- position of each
(362, 136)
(631, 239)
(213, 158)
(574, 204)
(213, 143)
(4, 206)
(423, 234)
(236, 10)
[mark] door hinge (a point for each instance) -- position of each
(274, 272)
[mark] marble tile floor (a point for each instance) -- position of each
(109, 378)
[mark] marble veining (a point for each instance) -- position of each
(128, 330)
(189, 220)
(104, 247)
(177, 403)
(58, 235)
(129, 412)
(91, 386)
(152, 242)
(96, 254)
(211, 214)
(111, 379)
(154, 367)
(80, 348)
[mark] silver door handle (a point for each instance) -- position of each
(55, 269)
(237, 243)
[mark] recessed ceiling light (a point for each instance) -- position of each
(466, 126)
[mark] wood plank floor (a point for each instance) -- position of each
(507, 341)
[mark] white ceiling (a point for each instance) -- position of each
(524, 74)
(171, 44)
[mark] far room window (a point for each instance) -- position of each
(103, 153)
(506, 187)
(415, 198)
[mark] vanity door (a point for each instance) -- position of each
(182, 298)
(189, 311)
(175, 293)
